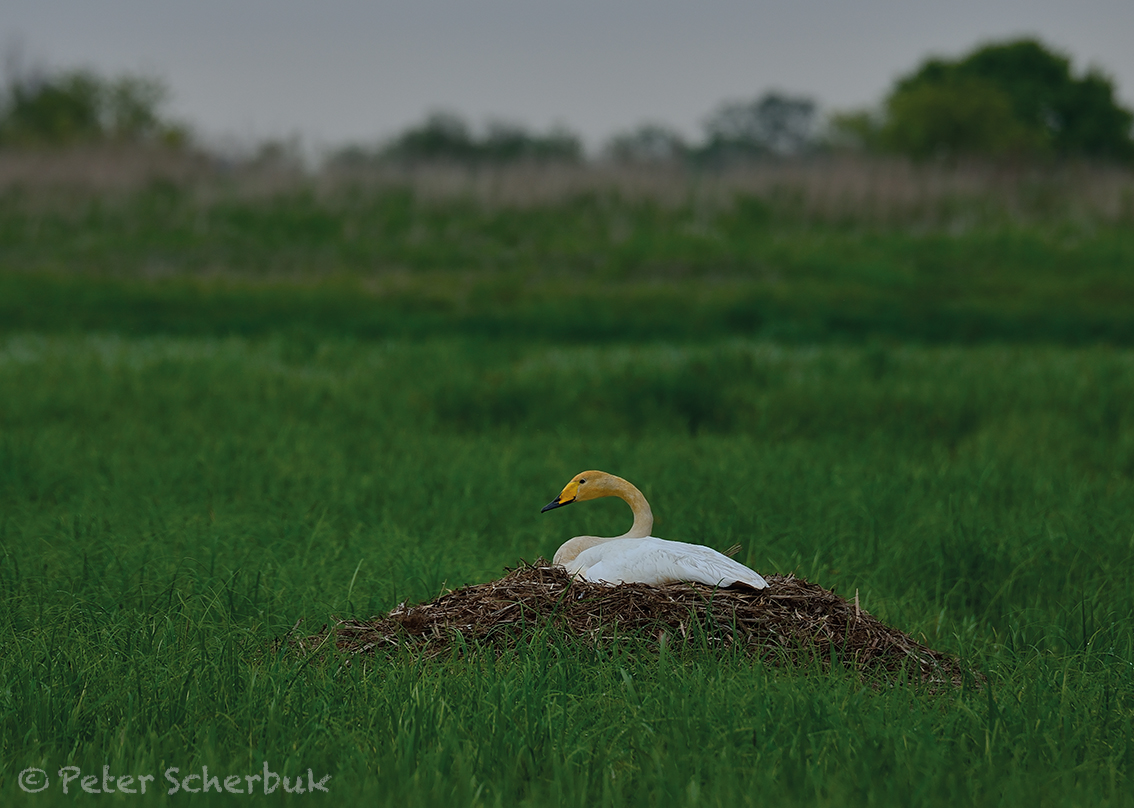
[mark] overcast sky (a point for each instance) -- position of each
(351, 70)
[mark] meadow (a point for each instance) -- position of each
(225, 412)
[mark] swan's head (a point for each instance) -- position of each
(587, 485)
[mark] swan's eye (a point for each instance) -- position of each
(581, 482)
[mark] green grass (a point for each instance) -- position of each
(286, 427)
(587, 268)
(172, 504)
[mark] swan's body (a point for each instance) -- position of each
(636, 556)
(657, 561)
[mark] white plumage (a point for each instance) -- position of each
(657, 561)
(636, 556)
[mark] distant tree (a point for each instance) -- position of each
(508, 143)
(52, 110)
(962, 116)
(79, 106)
(445, 137)
(278, 154)
(648, 144)
(1013, 98)
(774, 123)
(131, 107)
(858, 129)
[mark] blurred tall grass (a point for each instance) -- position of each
(834, 188)
(827, 248)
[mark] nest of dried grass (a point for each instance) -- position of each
(792, 622)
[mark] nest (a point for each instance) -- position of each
(792, 622)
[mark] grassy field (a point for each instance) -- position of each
(220, 416)
(589, 267)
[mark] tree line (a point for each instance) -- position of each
(1018, 100)
(70, 107)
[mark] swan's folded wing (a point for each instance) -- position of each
(657, 561)
(705, 565)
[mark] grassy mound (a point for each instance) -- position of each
(790, 622)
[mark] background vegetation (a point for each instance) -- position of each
(234, 397)
(1016, 100)
(73, 107)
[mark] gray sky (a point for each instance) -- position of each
(348, 70)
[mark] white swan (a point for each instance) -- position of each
(636, 556)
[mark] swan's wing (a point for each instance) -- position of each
(657, 561)
(705, 565)
(619, 561)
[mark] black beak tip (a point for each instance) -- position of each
(555, 503)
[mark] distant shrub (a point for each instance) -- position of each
(854, 130)
(648, 144)
(509, 143)
(79, 106)
(446, 138)
(773, 124)
(443, 136)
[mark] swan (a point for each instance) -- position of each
(636, 556)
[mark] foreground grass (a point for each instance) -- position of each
(168, 505)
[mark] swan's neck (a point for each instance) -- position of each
(643, 523)
(643, 516)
